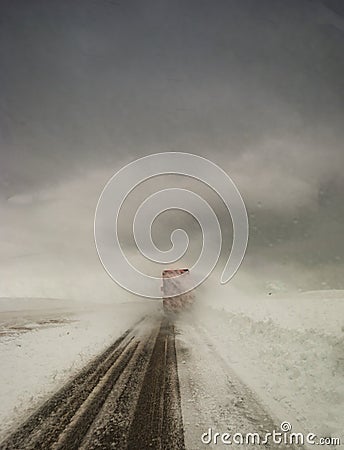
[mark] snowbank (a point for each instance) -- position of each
(288, 349)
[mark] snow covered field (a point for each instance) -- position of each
(44, 342)
(288, 349)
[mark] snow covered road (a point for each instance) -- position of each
(214, 399)
(37, 360)
(240, 371)
(127, 397)
(130, 396)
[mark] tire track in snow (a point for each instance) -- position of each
(112, 402)
(213, 396)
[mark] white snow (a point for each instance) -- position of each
(288, 349)
(38, 356)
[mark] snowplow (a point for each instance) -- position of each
(175, 283)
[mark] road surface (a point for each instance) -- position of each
(159, 386)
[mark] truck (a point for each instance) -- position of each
(175, 283)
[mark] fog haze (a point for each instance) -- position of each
(88, 86)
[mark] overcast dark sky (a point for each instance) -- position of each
(255, 86)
